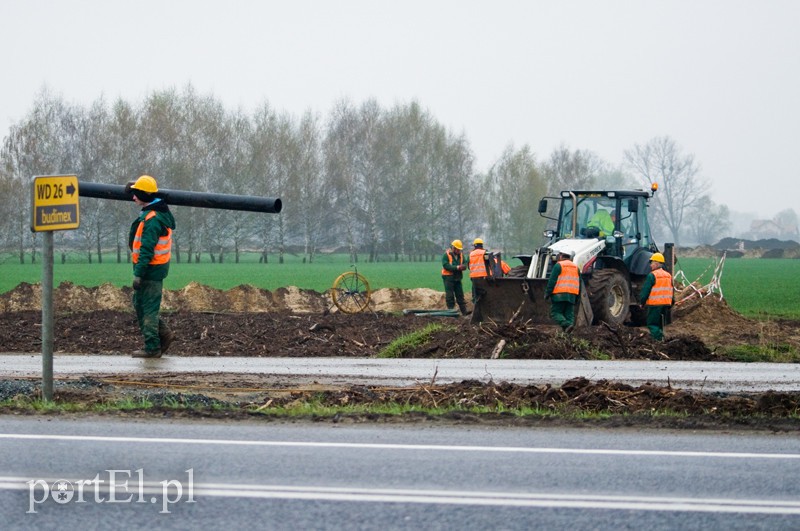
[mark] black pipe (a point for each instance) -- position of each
(270, 205)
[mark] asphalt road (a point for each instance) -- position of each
(284, 476)
(706, 376)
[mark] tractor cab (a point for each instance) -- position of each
(619, 218)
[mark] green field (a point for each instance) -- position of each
(318, 276)
(754, 287)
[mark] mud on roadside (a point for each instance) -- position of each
(208, 322)
(577, 402)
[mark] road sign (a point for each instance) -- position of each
(55, 203)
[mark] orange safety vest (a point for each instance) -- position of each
(568, 281)
(477, 265)
(450, 260)
(163, 249)
(505, 267)
(661, 293)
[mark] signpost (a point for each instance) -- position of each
(55, 207)
(55, 203)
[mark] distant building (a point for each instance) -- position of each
(763, 229)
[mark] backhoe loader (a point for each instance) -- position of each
(607, 233)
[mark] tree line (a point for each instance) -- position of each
(378, 183)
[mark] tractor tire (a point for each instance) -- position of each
(518, 272)
(610, 297)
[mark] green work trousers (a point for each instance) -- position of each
(454, 293)
(656, 316)
(563, 313)
(147, 303)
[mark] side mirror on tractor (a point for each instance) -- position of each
(542, 206)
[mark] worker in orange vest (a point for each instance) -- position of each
(453, 264)
(563, 288)
(477, 265)
(150, 242)
(656, 296)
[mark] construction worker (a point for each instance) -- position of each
(477, 265)
(150, 242)
(499, 267)
(563, 288)
(453, 264)
(656, 296)
(603, 222)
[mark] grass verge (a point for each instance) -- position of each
(408, 342)
(576, 402)
(763, 353)
(313, 409)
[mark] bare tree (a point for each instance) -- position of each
(708, 221)
(615, 178)
(514, 186)
(233, 159)
(679, 186)
(310, 189)
(407, 157)
(787, 222)
(571, 170)
(270, 167)
(353, 164)
(89, 144)
(33, 147)
(123, 160)
(452, 196)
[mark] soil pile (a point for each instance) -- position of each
(247, 321)
(198, 298)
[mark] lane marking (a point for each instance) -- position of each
(390, 446)
(478, 498)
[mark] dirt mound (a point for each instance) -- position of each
(395, 300)
(523, 341)
(283, 334)
(578, 394)
(763, 244)
(719, 325)
(244, 298)
(247, 321)
(198, 298)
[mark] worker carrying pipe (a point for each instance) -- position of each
(150, 241)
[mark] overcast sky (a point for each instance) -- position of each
(722, 78)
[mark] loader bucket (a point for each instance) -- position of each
(502, 300)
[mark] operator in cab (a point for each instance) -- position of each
(603, 221)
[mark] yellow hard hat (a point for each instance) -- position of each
(657, 257)
(477, 241)
(457, 244)
(145, 183)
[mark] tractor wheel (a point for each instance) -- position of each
(518, 272)
(610, 296)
